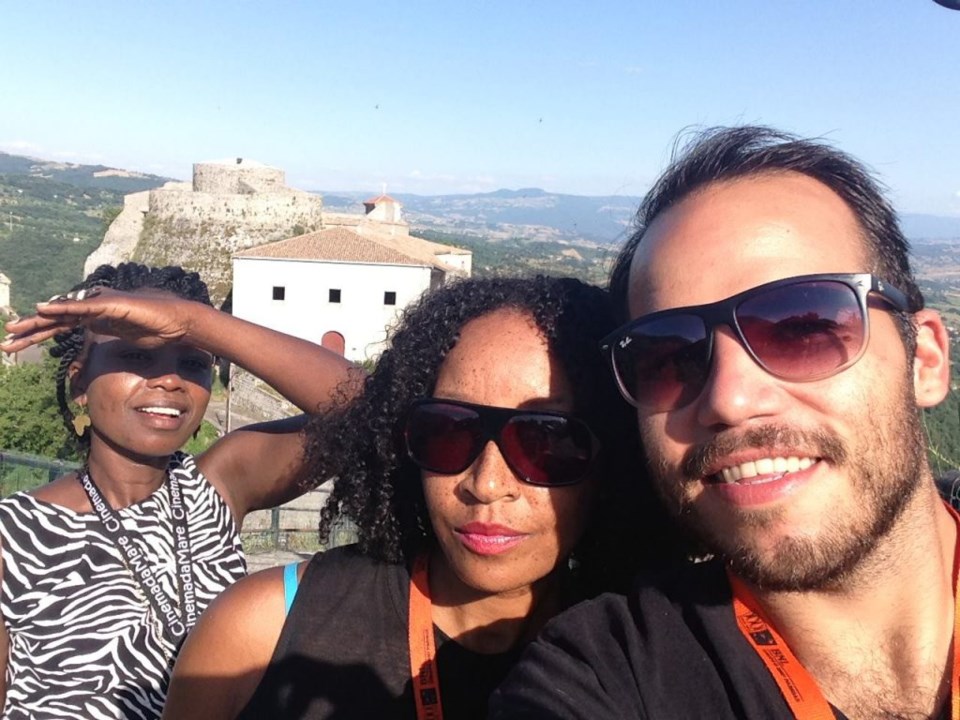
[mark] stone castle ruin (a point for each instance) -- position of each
(230, 205)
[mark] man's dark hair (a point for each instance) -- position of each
(723, 154)
(379, 489)
(125, 276)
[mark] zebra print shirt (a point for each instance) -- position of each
(84, 640)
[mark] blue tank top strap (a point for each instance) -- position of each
(291, 584)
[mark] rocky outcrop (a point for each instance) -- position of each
(120, 240)
(229, 206)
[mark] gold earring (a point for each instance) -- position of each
(80, 423)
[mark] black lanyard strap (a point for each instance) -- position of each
(175, 623)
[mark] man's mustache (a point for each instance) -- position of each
(702, 459)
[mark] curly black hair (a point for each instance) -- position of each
(378, 488)
(125, 276)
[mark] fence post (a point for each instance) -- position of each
(275, 527)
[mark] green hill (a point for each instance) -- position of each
(96, 177)
(47, 229)
(52, 215)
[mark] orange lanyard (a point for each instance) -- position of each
(798, 688)
(423, 649)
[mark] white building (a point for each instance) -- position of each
(343, 286)
(4, 292)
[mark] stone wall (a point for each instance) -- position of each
(228, 207)
(120, 240)
(256, 214)
(252, 401)
(240, 178)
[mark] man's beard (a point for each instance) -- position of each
(885, 474)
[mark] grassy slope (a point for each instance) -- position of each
(47, 229)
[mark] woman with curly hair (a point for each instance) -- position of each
(104, 570)
(481, 466)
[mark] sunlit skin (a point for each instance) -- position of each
(776, 227)
(147, 392)
(498, 566)
(502, 360)
(142, 401)
(779, 226)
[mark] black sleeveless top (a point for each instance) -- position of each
(343, 651)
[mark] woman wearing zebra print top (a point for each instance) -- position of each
(104, 570)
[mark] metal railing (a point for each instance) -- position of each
(23, 471)
(293, 537)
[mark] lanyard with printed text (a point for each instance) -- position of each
(175, 624)
(796, 685)
(423, 650)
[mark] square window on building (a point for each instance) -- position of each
(389, 298)
(334, 296)
(279, 292)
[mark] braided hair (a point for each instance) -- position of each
(378, 489)
(125, 276)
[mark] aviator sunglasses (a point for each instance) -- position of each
(543, 448)
(799, 329)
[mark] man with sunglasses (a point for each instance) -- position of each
(778, 353)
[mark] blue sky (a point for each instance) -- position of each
(446, 97)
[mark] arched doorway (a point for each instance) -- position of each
(333, 341)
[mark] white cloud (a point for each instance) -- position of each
(20, 147)
(32, 149)
(77, 157)
(634, 70)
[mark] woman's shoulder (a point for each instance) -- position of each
(347, 570)
(234, 639)
(345, 557)
(262, 593)
(64, 493)
(248, 615)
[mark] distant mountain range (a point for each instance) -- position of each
(99, 177)
(529, 213)
(526, 214)
(533, 213)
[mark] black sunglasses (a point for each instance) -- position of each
(542, 448)
(799, 329)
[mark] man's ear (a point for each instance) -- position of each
(931, 362)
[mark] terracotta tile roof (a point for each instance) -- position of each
(419, 248)
(342, 244)
(379, 199)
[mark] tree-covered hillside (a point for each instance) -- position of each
(47, 229)
(95, 177)
(518, 256)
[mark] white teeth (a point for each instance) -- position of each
(172, 412)
(765, 466)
